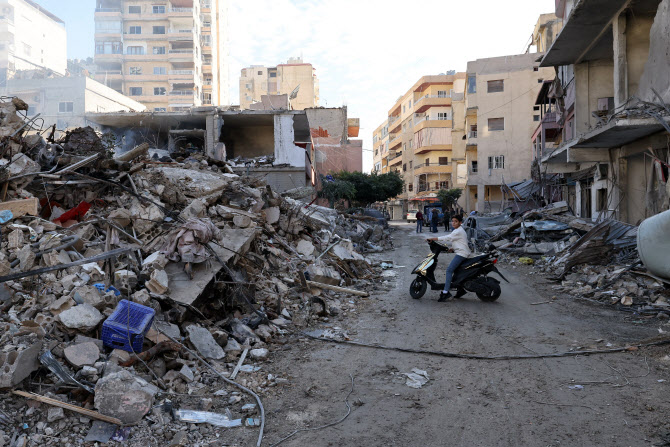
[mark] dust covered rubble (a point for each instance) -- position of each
(219, 258)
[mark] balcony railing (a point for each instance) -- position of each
(180, 51)
(180, 10)
(107, 10)
(393, 119)
(432, 96)
(108, 72)
(472, 134)
(181, 72)
(182, 93)
(180, 31)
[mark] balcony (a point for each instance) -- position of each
(182, 93)
(180, 12)
(426, 102)
(395, 142)
(107, 57)
(144, 36)
(394, 123)
(424, 123)
(424, 169)
(396, 159)
(207, 67)
(180, 35)
(149, 99)
(108, 12)
(422, 149)
(181, 55)
(181, 75)
(109, 75)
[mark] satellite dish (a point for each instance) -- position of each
(294, 93)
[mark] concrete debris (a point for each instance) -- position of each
(215, 255)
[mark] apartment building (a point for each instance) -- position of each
(500, 119)
(610, 152)
(416, 141)
(258, 81)
(31, 38)
(170, 55)
(380, 147)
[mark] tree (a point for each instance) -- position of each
(371, 188)
(336, 189)
(449, 197)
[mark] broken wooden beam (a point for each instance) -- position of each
(21, 207)
(132, 154)
(321, 285)
(239, 364)
(76, 409)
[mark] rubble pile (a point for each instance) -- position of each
(218, 266)
(592, 261)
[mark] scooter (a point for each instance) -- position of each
(470, 276)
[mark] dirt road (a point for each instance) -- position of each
(599, 400)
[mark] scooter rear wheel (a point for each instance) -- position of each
(493, 292)
(418, 288)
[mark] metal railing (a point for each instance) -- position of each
(180, 31)
(180, 10)
(472, 134)
(393, 119)
(448, 95)
(182, 93)
(181, 72)
(108, 72)
(181, 52)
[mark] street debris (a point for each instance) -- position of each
(130, 286)
(417, 378)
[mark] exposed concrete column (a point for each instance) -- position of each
(620, 60)
(578, 199)
(481, 196)
(622, 187)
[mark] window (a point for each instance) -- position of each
(273, 74)
(160, 109)
(135, 91)
(601, 199)
(441, 93)
(159, 9)
(134, 9)
(409, 104)
(376, 152)
(404, 167)
(108, 26)
(135, 30)
(410, 165)
(427, 161)
(442, 116)
(496, 124)
(159, 50)
(159, 91)
(410, 187)
(66, 107)
(27, 49)
(159, 29)
(540, 81)
(474, 167)
(472, 84)
(135, 70)
(497, 162)
(248, 86)
(536, 108)
(411, 144)
(443, 161)
(260, 73)
(135, 50)
(160, 70)
(403, 109)
(536, 117)
(495, 86)
(404, 146)
(536, 68)
(108, 48)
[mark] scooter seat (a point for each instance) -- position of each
(472, 261)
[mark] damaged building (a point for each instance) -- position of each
(288, 148)
(608, 148)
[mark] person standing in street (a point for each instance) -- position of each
(447, 219)
(435, 217)
(459, 243)
(419, 222)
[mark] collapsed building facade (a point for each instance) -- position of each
(608, 147)
(288, 148)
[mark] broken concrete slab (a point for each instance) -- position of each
(259, 354)
(320, 272)
(204, 342)
(158, 283)
(272, 215)
(124, 396)
(90, 295)
(83, 317)
(83, 354)
(186, 290)
(18, 363)
(305, 248)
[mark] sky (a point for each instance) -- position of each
(366, 53)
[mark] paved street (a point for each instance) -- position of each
(613, 400)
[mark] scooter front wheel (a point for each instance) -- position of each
(418, 288)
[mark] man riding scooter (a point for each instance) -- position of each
(459, 244)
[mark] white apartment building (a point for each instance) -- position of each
(30, 38)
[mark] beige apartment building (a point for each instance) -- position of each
(500, 119)
(31, 38)
(258, 81)
(170, 55)
(416, 141)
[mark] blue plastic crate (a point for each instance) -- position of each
(121, 332)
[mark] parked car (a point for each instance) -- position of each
(381, 219)
(411, 215)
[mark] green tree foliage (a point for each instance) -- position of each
(449, 197)
(337, 189)
(371, 188)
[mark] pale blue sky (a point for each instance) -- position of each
(366, 52)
